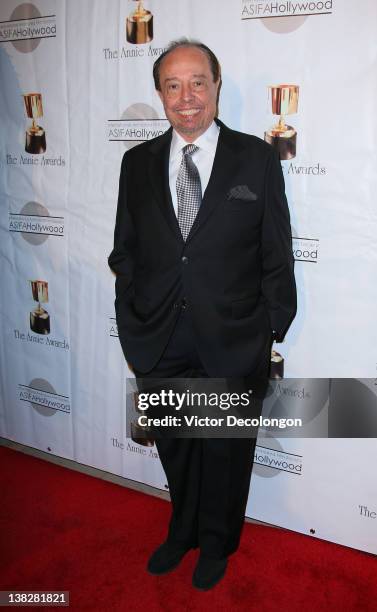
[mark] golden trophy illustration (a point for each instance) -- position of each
(35, 142)
(139, 26)
(277, 366)
(39, 317)
(284, 101)
(142, 435)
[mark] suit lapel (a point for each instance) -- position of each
(224, 166)
(158, 171)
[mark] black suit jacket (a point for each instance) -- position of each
(235, 271)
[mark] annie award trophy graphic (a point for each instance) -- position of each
(35, 141)
(139, 26)
(140, 434)
(39, 317)
(284, 101)
(277, 366)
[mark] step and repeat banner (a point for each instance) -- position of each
(76, 92)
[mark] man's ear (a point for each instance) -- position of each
(160, 95)
(218, 95)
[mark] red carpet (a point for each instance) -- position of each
(62, 530)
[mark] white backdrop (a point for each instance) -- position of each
(64, 391)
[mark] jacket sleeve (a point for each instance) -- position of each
(121, 259)
(278, 281)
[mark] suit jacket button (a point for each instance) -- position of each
(185, 260)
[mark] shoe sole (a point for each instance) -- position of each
(207, 588)
(167, 571)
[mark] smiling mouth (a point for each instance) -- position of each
(189, 112)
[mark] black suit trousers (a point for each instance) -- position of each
(208, 479)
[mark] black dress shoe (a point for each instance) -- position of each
(165, 558)
(208, 572)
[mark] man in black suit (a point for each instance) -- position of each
(204, 284)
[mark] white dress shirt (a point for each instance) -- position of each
(203, 158)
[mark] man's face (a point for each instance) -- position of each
(188, 92)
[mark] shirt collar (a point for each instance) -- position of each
(206, 141)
